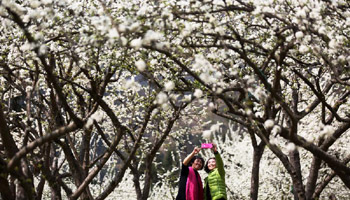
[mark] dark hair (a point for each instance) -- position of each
(206, 168)
(195, 158)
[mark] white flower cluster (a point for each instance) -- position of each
(133, 85)
(208, 74)
(327, 131)
(169, 85)
(97, 116)
(141, 65)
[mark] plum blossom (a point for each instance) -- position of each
(141, 65)
(215, 127)
(134, 26)
(39, 36)
(276, 129)
(46, 2)
(123, 41)
(218, 90)
(189, 27)
(200, 62)
(121, 28)
(136, 43)
(327, 131)
(268, 124)
(291, 146)
(333, 44)
(161, 98)
(142, 11)
(113, 33)
(43, 49)
(207, 78)
(273, 140)
(132, 84)
(303, 48)
(198, 93)
(187, 98)
(97, 116)
(27, 46)
(167, 13)
(299, 35)
(151, 36)
(301, 13)
(34, 4)
(168, 86)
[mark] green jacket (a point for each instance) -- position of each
(216, 179)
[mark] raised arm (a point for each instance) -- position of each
(219, 162)
(190, 156)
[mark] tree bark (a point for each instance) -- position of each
(254, 183)
(298, 186)
(312, 179)
(5, 190)
(25, 188)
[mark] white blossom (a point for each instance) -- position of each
(291, 146)
(268, 124)
(151, 36)
(113, 33)
(39, 36)
(132, 84)
(161, 98)
(121, 28)
(303, 48)
(97, 116)
(187, 98)
(299, 35)
(123, 40)
(333, 44)
(134, 27)
(166, 106)
(169, 85)
(136, 43)
(166, 13)
(327, 131)
(141, 65)
(27, 46)
(276, 130)
(198, 93)
(43, 50)
(301, 13)
(34, 3)
(46, 2)
(215, 127)
(142, 11)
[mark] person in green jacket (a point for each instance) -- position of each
(214, 183)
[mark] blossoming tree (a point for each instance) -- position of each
(270, 66)
(76, 103)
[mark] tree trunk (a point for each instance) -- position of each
(148, 177)
(254, 184)
(312, 179)
(299, 191)
(5, 190)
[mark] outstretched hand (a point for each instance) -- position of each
(196, 150)
(214, 148)
(187, 160)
